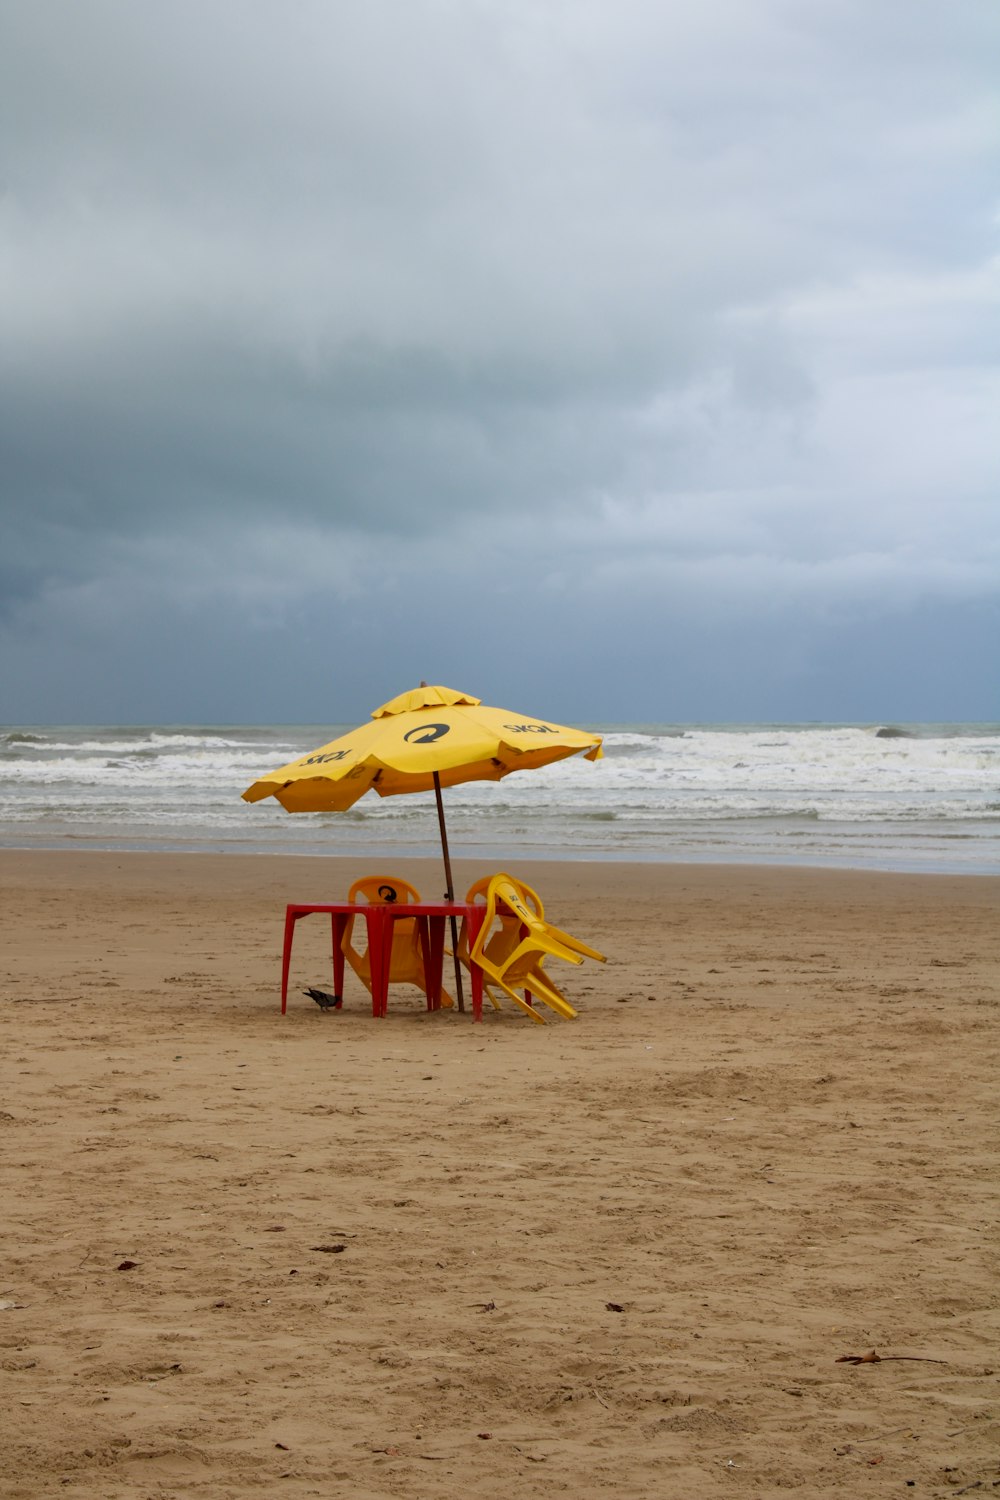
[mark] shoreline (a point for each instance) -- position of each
(606, 858)
(345, 867)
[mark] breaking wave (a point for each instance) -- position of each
(861, 792)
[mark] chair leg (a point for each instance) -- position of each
(545, 990)
(529, 1010)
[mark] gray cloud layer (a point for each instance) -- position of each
(639, 358)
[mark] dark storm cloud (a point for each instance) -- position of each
(361, 319)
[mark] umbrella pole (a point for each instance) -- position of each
(450, 893)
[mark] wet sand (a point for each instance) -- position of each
(324, 1255)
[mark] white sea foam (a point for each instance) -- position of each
(918, 796)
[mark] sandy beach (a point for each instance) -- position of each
(324, 1255)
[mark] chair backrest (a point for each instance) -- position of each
(406, 960)
(520, 899)
(383, 890)
(508, 895)
(491, 885)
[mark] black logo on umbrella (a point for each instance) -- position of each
(427, 733)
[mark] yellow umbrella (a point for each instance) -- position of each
(423, 740)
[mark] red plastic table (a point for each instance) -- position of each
(431, 916)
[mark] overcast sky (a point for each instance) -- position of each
(610, 359)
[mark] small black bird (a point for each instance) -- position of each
(324, 1000)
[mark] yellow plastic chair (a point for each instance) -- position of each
(406, 965)
(501, 943)
(518, 965)
(479, 891)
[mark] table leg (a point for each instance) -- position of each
(474, 919)
(338, 926)
(433, 940)
(291, 916)
(523, 933)
(379, 957)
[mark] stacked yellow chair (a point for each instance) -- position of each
(514, 942)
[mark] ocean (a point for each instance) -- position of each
(913, 797)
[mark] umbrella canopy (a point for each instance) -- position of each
(425, 739)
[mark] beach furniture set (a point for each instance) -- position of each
(424, 740)
(503, 941)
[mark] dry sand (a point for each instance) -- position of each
(620, 1255)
